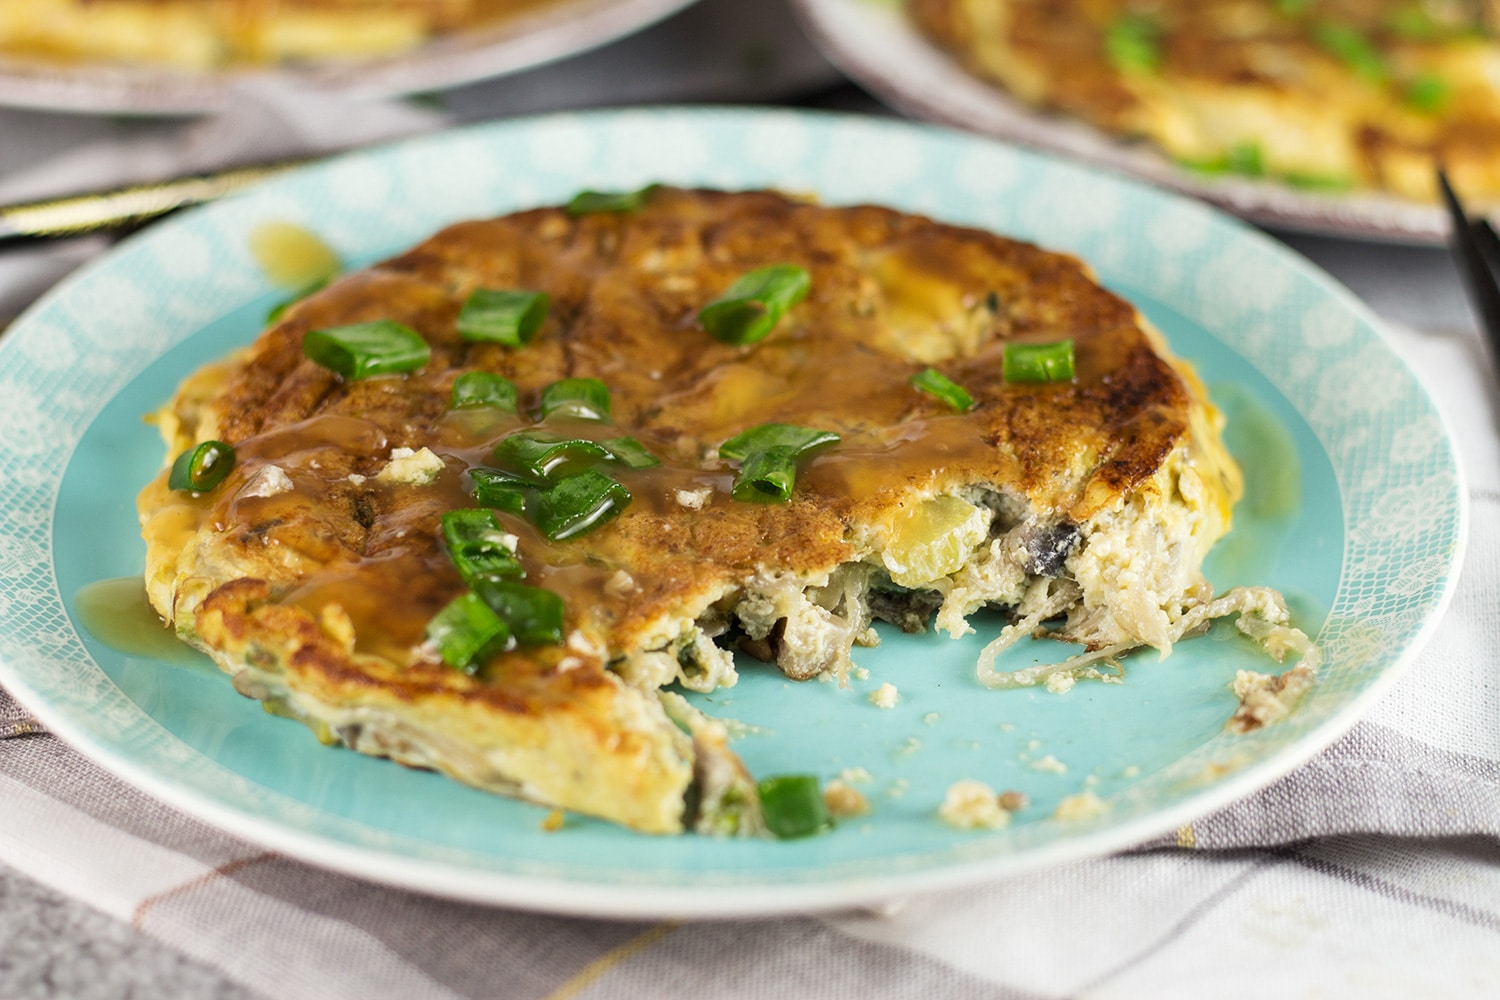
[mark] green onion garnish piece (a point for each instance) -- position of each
(363, 350)
(509, 317)
(1212, 167)
(1038, 362)
(500, 490)
(479, 547)
(1353, 49)
(1132, 44)
(1293, 7)
(630, 453)
(766, 477)
(1415, 23)
(280, 308)
(1326, 183)
(768, 457)
(483, 389)
(586, 398)
(588, 202)
(792, 805)
(578, 504)
(799, 440)
(464, 630)
(755, 303)
(935, 383)
(1245, 158)
(533, 615)
(540, 454)
(201, 468)
(1428, 93)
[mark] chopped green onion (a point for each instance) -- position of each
(1293, 7)
(766, 476)
(768, 457)
(503, 316)
(935, 383)
(280, 308)
(500, 490)
(483, 389)
(1132, 44)
(363, 350)
(533, 615)
(1245, 158)
(799, 439)
(1038, 362)
(1353, 49)
(588, 202)
(578, 504)
(1326, 183)
(755, 303)
(201, 468)
(630, 453)
(792, 805)
(1212, 167)
(479, 546)
(539, 454)
(586, 398)
(1242, 158)
(1415, 23)
(1428, 93)
(465, 630)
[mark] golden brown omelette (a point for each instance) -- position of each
(207, 34)
(314, 573)
(1325, 94)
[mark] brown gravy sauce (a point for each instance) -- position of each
(923, 438)
(117, 613)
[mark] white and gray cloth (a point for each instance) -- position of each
(1371, 871)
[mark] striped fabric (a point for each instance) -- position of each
(197, 911)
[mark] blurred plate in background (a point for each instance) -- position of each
(874, 42)
(550, 32)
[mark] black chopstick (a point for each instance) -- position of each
(124, 209)
(1476, 248)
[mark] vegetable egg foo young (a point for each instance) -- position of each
(1330, 95)
(207, 34)
(475, 507)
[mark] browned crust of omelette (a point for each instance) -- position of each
(1233, 75)
(327, 587)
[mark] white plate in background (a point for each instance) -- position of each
(874, 42)
(563, 28)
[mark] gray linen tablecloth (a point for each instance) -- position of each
(1372, 871)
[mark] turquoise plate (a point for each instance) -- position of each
(1366, 554)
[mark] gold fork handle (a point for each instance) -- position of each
(124, 208)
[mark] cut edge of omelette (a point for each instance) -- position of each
(615, 750)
